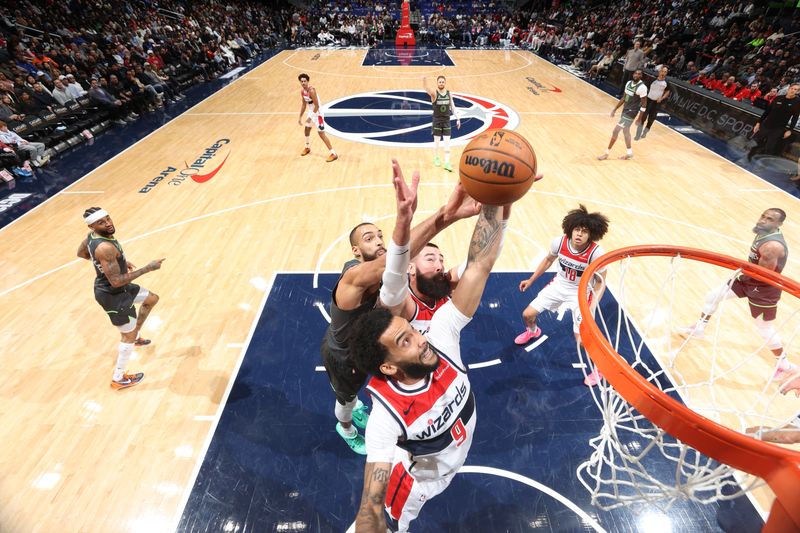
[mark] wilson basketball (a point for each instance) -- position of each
(497, 167)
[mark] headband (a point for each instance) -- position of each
(94, 217)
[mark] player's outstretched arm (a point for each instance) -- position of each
(106, 254)
(484, 248)
(541, 269)
(427, 86)
(370, 517)
(394, 289)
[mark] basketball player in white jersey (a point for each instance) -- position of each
(575, 251)
(430, 286)
(423, 415)
(313, 118)
(443, 108)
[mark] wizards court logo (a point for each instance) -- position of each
(404, 118)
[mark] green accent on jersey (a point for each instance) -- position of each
(441, 105)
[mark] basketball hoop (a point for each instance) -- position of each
(639, 400)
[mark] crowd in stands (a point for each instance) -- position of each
(731, 47)
(66, 67)
(70, 68)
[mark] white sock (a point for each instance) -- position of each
(308, 142)
(125, 351)
(630, 151)
(608, 151)
(333, 152)
(349, 432)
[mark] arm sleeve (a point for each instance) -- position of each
(382, 435)
(395, 276)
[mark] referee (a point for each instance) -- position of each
(659, 91)
(776, 123)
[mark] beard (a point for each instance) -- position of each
(419, 370)
(371, 257)
(436, 287)
(759, 230)
(104, 233)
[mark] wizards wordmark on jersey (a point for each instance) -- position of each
(404, 118)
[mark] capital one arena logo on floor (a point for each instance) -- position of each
(404, 118)
(204, 167)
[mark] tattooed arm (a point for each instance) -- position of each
(484, 249)
(107, 256)
(83, 249)
(370, 517)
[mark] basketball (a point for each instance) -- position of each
(497, 167)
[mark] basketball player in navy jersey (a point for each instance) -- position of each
(114, 291)
(443, 108)
(313, 118)
(423, 417)
(769, 250)
(575, 251)
(377, 272)
(634, 102)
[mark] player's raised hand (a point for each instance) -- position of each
(405, 194)
(460, 205)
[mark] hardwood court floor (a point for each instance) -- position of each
(78, 456)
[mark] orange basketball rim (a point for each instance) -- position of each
(778, 466)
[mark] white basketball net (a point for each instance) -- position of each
(634, 461)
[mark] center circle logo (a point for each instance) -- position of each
(404, 118)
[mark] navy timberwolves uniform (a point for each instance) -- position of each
(117, 302)
(762, 297)
(344, 377)
(441, 114)
(424, 430)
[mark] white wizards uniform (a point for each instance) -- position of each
(421, 321)
(313, 116)
(424, 430)
(564, 286)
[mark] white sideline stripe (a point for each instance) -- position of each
(238, 113)
(579, 113)
(82, 192)
(588, 520)
(234, 345)
(537, 343)
(218, 415)
(485, 364)
(322, 310)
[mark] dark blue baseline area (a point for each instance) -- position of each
(275, 462)
(391, 56)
